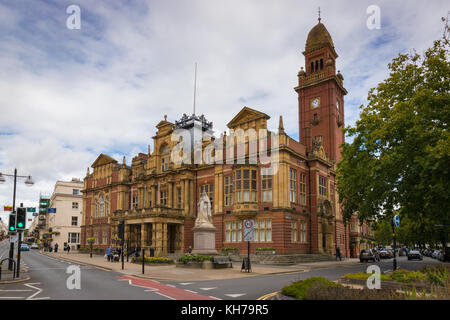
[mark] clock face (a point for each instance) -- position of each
(315, 102)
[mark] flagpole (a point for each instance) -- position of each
(195, 84)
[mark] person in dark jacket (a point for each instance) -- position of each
(338, 254)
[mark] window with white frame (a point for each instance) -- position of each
(263, 230)
(302, 231)
(293, 185)
(75, 192)
(322, 186)
(228, 190)
(73, 237)
(266, 185)
(233, 231)
(163, 198)
(74, 205)
(303, 189)
(294, 231)
(101, 210)
(74, 221)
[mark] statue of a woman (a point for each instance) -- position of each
(204, 217)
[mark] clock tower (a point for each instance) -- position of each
(321, 95)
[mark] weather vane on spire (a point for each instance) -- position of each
(319, 15)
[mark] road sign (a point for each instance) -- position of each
(13, 238)
(249, 228)
(397, 221)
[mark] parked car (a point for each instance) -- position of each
(384, 254)
(34, 246)
(24, 247)
(368, 255)
(414, 254)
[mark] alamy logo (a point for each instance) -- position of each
(74, 280)
(374, 280)
(74, 20)
(374, 20)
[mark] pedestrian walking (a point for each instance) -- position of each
(338, 254)
(108, 254)
(56, 247)
(68, 249)
(189, 250)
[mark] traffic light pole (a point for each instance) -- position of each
(11, 245)
(19, 243)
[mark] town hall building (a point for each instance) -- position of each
(295, 209)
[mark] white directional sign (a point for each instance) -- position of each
(13, 238)
(397, 221)
(249, 228)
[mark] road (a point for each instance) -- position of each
(49, 279)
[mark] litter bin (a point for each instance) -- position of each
(152, 252)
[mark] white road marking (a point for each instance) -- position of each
(191, 291)
(206, 289)
(171, 285)
(38, 292)
(161, 294)
(235, 295)
(215, 298)
(186, 283)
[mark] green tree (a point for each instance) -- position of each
(399, 158)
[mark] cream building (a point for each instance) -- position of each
(64, 225)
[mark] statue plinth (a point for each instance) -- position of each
(204, 239)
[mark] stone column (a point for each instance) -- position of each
(186, 197)
(158, 238)
(154, 191)
(181, 238)
(127, 232)
(164, 238)
(144, 235)
(170, 195)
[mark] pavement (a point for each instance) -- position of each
(173, 273)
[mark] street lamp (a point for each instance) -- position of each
(29, 182)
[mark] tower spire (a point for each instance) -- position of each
(319, 15)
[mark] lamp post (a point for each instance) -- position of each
(29, 182)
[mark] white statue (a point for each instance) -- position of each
(204, 217)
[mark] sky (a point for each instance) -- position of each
(67, 95)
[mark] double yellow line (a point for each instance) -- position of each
(266, 296)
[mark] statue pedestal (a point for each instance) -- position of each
(204, 240)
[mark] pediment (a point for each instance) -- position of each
(103, 159)
(245, 115)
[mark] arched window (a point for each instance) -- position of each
(101, 206)
(317, 65)
(321, 64)
(312, 67)
(96, 209)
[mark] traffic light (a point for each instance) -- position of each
(12, 222)
(21, 218)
